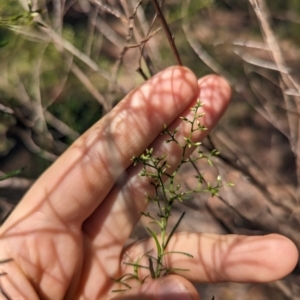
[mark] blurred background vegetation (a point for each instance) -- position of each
(65, 63)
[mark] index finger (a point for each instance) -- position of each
(81, 178)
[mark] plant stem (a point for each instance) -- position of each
(167, 31)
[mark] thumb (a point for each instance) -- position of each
(172, 287)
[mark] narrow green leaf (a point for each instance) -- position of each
(144, 279)
(12, 174)
(173, 230)
(179, 252)
(153, 234)
(174, 269)
(151, 268)
(120, 290)
(124, 278)
(135, 265)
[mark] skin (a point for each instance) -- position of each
(67, 236)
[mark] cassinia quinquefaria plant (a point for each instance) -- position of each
(166, 193)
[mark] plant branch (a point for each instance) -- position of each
(168, 33)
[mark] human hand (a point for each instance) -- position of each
(67, 236)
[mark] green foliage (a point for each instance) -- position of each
(10, 8)
(21, 19)
(12, 174)
(175, 12)
(167, 191)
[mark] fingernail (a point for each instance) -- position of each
(171, 289)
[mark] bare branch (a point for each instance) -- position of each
(26, 137)
(91, 30)
(90, 87)
(205, 57)
(109, 33)
(262, 13)
(253, 60)
(146, 39)
(109, 9)
(60, 126)
(57, 16)
(50, 35)
(168, 33)
(16, 183)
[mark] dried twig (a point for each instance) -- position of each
(91, 31)
(60, 126)
(47, 35)
(205, 57)
(127, 40)
(26, 137)
(90, 87)
(256, 61)
(109, 33)
(153, 48)
(57, 16)
(262, 13)
(137, 36)
(109, 9)
(16, 183)
(168, 33)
